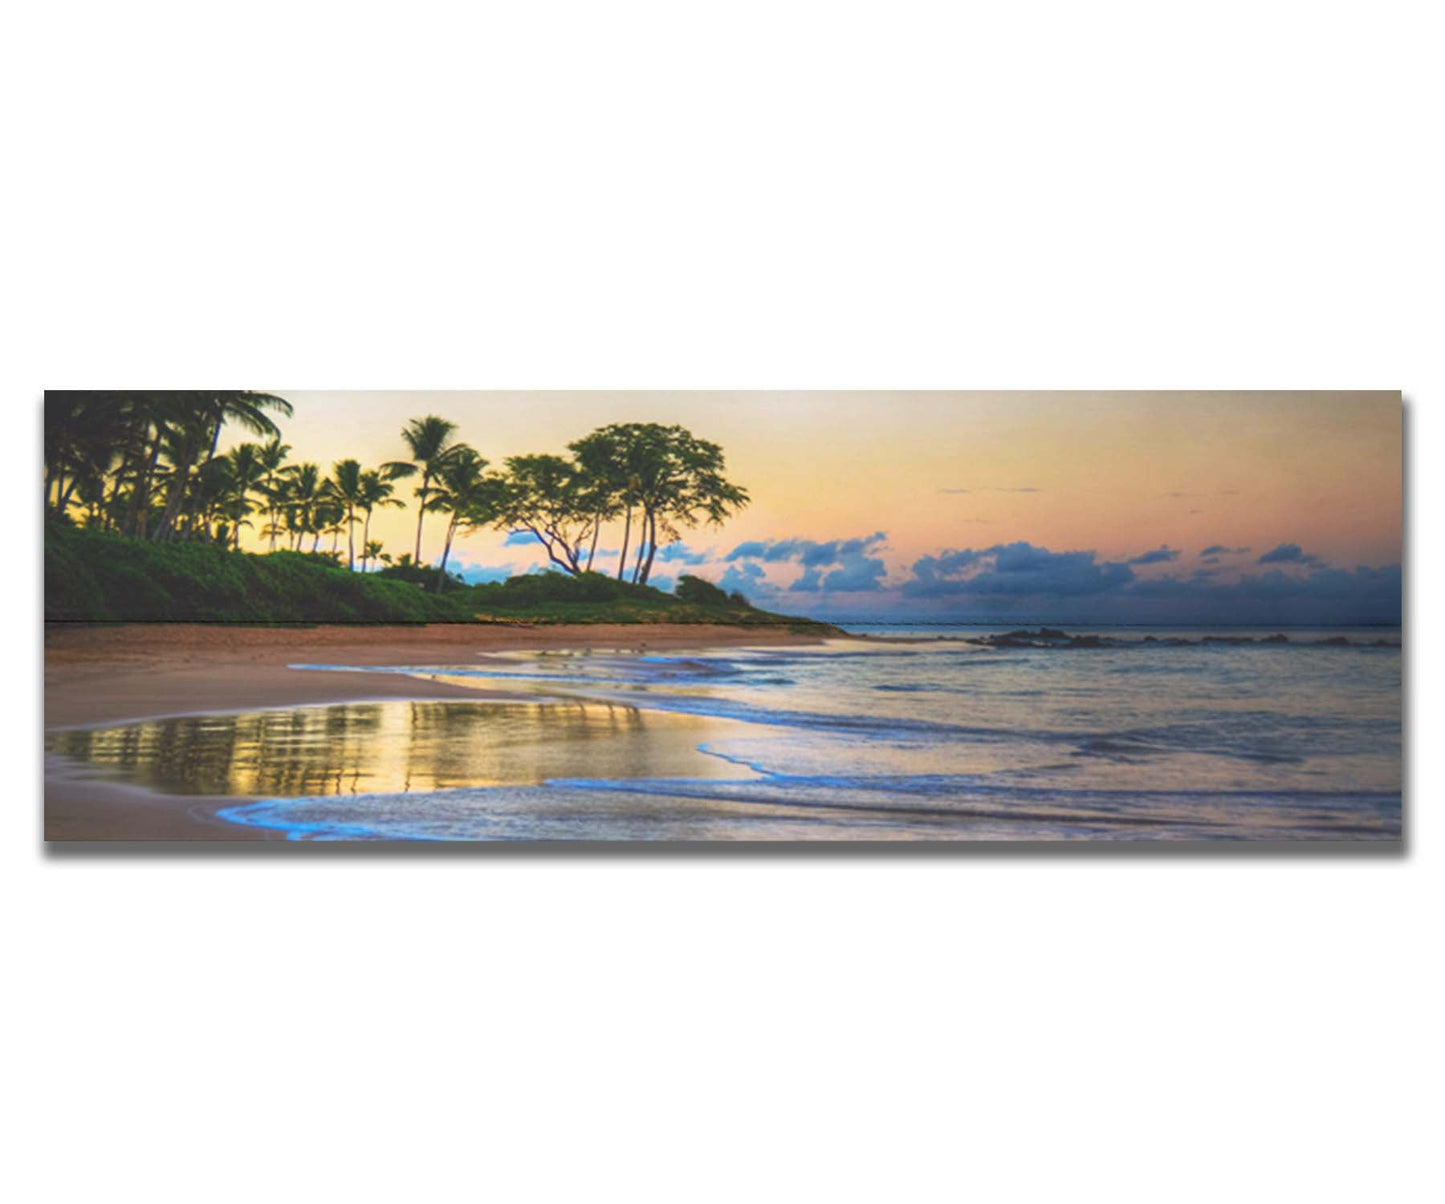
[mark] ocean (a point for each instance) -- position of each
(950, 734)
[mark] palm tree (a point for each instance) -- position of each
(303, 492)
(430, 442)
(345, 488)
(371, 550)
(246, 474)
(330, 520)
(204, 416)
(376, 490)
(469, 494)
(272, 457)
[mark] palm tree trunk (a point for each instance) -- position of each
(173, 500)
(365, 539)
(596, 530)
(446, 551)
(421, 512)
(351, 538)
(641, 545)
(626, 535)
(651, 547)
(137, 518)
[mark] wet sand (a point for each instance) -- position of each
(110, 675)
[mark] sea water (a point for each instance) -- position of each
(1142, 734)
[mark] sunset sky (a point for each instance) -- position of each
(1038, 505)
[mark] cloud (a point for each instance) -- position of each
(850, 565)
(1075, 586)
(662, 581)
(809, 583)
(995, 489)
(517, 539)
(1372, 594)
(1163, 554)
(1012, 571)
(747, 577)
(480, 574)
(680, 553)
(1218, 549)
(807, 552)
(1289, 553)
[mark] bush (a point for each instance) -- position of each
(95, 577)
(699, 592)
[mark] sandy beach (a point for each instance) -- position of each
(110, 675)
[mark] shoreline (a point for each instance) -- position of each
(100, 676)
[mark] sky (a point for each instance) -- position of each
(1105, 507)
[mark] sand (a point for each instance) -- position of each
(111, 675)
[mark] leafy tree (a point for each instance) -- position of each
(554, 499)
(602, 461)
(669, 479)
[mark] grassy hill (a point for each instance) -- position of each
(94, 577)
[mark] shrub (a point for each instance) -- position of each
(699, 592)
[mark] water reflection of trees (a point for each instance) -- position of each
(370, 747)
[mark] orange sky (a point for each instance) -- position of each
(1117, 473)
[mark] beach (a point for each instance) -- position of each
(632, 732)
(104, 675)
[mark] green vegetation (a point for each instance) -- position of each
(145, 464)
(95, 576)
(144, 520)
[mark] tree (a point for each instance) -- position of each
(430, 441)
(272, 458)
(551, 498)
(673, 478)
(303, 492)
(376, 490)
(245, 471)
(602, 461)
(470, 495)
(371, 550)
(196, 429)
(344, 487)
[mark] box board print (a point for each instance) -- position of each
(935, 616)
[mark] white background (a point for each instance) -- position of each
(773, 195)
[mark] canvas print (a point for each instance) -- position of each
(801, 617)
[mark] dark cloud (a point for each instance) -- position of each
(1012, 571)
(680, 553)
(1218, 549)
(1289, 553)
(1160, 555)
(748, 577)
(1366, 595)
(1076, 585)
(853, 568)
